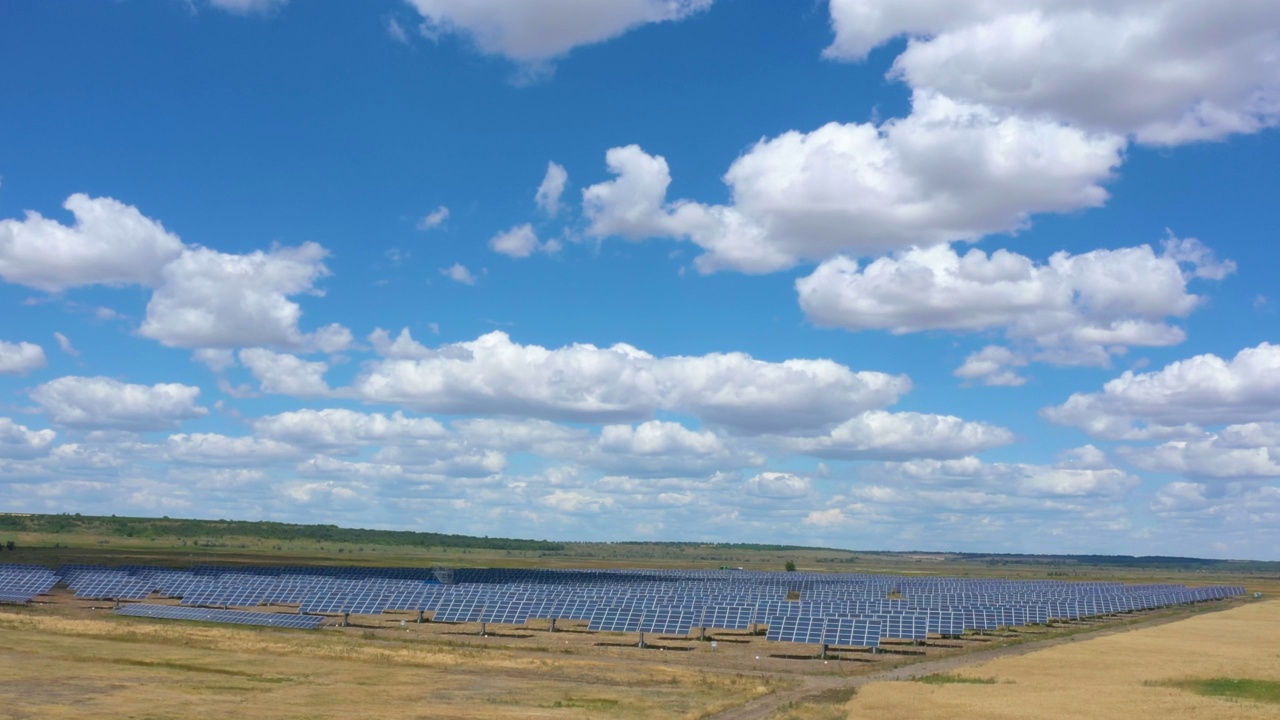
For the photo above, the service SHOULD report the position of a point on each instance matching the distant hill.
(137, 527)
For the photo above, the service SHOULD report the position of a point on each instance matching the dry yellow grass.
(93, 668)
(1104, 677)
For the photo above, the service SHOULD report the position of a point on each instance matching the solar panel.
(796, 629)
(607, 619)
(236, 617)
(853, 632)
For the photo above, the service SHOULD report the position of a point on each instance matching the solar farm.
(313, 640)
(828, 610)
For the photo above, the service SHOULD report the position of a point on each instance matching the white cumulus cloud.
(520, 241)
(949, 171)
(880, 435)
(1167, 71)
(993, 365)
(1074, 309)
(20, 358)
(538, 31)
(100, 403)
(777, 486)
(344, 430)
(110, 244)
(1202, 390)
(493, 375)
(210, 299)
(20, 442)
(1247, 450)
(215, 449)
(285, 374)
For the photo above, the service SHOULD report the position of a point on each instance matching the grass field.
(59, 667)
(1180, 670)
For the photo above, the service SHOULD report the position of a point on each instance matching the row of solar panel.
(844, 632)
(659, 578)
(238, 617)
(23, 583)
(381, 594)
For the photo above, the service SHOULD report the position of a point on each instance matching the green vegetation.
(131, 527)
(1267, 691)
(71, 538)
(826, 705)
(951, 679)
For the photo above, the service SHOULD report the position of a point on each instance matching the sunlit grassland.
(1266, 691)
(826, 705)
(58, 667)
(1131, 676)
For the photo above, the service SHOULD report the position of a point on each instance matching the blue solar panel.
(237, 617)
(669, 601)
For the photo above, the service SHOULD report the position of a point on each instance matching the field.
(69, 658)
(1156, 672)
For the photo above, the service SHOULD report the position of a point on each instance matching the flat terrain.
(59, 667)
(1122, 676)
(68, 658)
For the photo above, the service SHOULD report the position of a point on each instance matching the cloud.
(1074, 309)
(993, 365)
(346, 431)
(1210, 513)
(1167, 71)
(434, 219)
(949, 171)
(880, 435)
(532, 32)
(1248, 450)
(20, 358)
(64, 343)
(575, 502)
(830, 517)
(1202, 390)
(285, 374)
(209, 299)
(777, 486)
(493, 375)
(658, 447)
(216, 359)
(99, 403)
(1014, 479)
(396, 31)
(110, 244)
(539, 437)
(459, 273)
(404, 347)
(552, 187)
(520, 242)
(215, 449)
(248, 7)
(1085, 457)
(20, 442)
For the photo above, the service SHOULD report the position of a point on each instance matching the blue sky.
(859, 273)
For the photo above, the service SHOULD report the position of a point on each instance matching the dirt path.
(769, 705)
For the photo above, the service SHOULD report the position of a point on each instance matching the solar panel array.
(236, 617)
(23, 583)
(843, 606)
